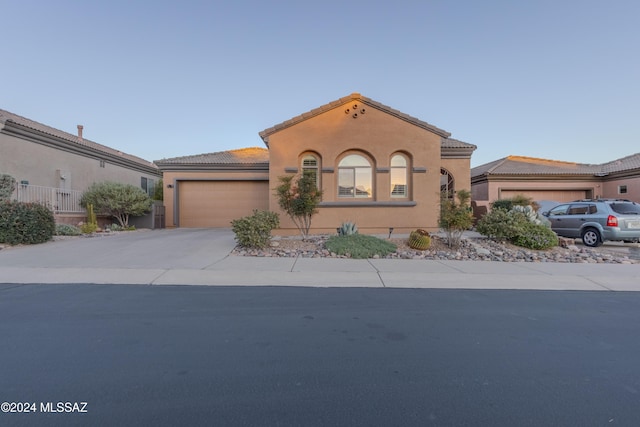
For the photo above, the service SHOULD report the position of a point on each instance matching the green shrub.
(535, 236)
(359, 246)
(505, 204)
(517, 200)
(255, 231)
(67, 230)
(516, 227)
(299, 199)
(118, 227)
(88, 227)
(117, 200)
(7, 185)
(501, 224)
(25, 223)
(455, 217)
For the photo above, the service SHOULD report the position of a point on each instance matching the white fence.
(57, 199)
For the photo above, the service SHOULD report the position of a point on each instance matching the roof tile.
(241, 156)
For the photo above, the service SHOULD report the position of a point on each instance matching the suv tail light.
(612, 221)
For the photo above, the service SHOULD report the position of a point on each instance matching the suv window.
(626, 208)
(559, 210)
(582, 209)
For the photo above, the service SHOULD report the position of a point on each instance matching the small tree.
(117, 200)
(7, 185)
(299, 200)
(455, 217)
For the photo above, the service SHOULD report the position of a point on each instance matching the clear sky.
(557, 79)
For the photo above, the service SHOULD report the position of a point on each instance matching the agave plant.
(528, 212)
(347, 229)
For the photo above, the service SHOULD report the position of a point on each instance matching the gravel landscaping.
(471, 249)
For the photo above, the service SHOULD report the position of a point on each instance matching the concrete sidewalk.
(201, 257)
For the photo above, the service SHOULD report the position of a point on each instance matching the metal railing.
(57, 199)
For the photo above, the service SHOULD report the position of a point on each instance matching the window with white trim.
(311, 165)
(398, 176)
(354, 177)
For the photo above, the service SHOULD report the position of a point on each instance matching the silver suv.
(595, 221)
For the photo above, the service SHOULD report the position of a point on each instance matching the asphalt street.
(269, 356)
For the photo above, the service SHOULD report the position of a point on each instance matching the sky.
(555, 79)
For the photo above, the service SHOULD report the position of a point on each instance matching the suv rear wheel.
(591, 237)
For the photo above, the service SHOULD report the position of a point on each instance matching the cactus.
(347, 229)
(92, 222)
(419, 239)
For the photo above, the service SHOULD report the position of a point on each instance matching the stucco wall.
(378, 136)
(633, 188)
(43, 165)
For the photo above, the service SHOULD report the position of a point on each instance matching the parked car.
(597, 220)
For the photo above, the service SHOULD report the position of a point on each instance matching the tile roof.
(454, 143)
(241, 156)
(337, 103)
(73, 140)
(623, 164)
(521, 165)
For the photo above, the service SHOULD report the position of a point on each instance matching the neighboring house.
(377, 166)
(55, 167)
(543, 179)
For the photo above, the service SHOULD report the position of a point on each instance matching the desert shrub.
(88, 227)
(517, 200)
(255, 231)
(455, 216)
(535, 236)
(504, 204)
(501, 224)
(299, 200)
(118, 227)
(117, 200)
(518, 228)
(67, 230)
(25, 223)
(7, 185)
(359, 246)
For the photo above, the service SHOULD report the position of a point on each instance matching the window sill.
(367, 204)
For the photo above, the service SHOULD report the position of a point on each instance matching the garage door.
(205, 204)
(555, 195)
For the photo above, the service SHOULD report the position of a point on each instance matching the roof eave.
(353, 97)
(213, 167)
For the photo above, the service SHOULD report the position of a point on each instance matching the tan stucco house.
(54, 167)
(377, 166)
(543, 179)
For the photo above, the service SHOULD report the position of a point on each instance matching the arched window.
(354, 177)
(447, 183)
(399, 181)
(311, 165)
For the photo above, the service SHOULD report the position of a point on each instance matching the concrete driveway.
(166, 249)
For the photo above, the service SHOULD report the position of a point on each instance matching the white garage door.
(206, 204)
(555, 195)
